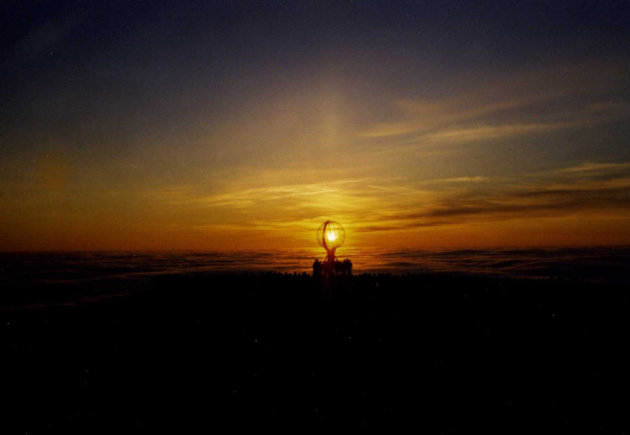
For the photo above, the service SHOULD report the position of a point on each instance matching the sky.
(229, 125)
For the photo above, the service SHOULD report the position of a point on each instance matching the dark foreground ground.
(443, 354)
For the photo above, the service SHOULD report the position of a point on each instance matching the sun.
(331, 236)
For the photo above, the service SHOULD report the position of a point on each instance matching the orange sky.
(578, 205)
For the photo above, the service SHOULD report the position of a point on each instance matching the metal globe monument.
(330, 236)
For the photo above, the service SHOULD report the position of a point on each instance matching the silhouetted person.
(317, 268)
(347, 267)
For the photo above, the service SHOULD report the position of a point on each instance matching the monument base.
(332, 268)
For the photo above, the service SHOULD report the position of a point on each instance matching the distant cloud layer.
(370, 205)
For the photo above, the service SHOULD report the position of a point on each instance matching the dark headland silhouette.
(205, 351)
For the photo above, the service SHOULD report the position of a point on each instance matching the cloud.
(596, 167)
(529, 103)
(375, 205)
(477, 179)
(525, 198)
(485, 132)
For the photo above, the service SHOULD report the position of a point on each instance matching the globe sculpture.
(330, 236)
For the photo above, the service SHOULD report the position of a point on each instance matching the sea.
(606, 264)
